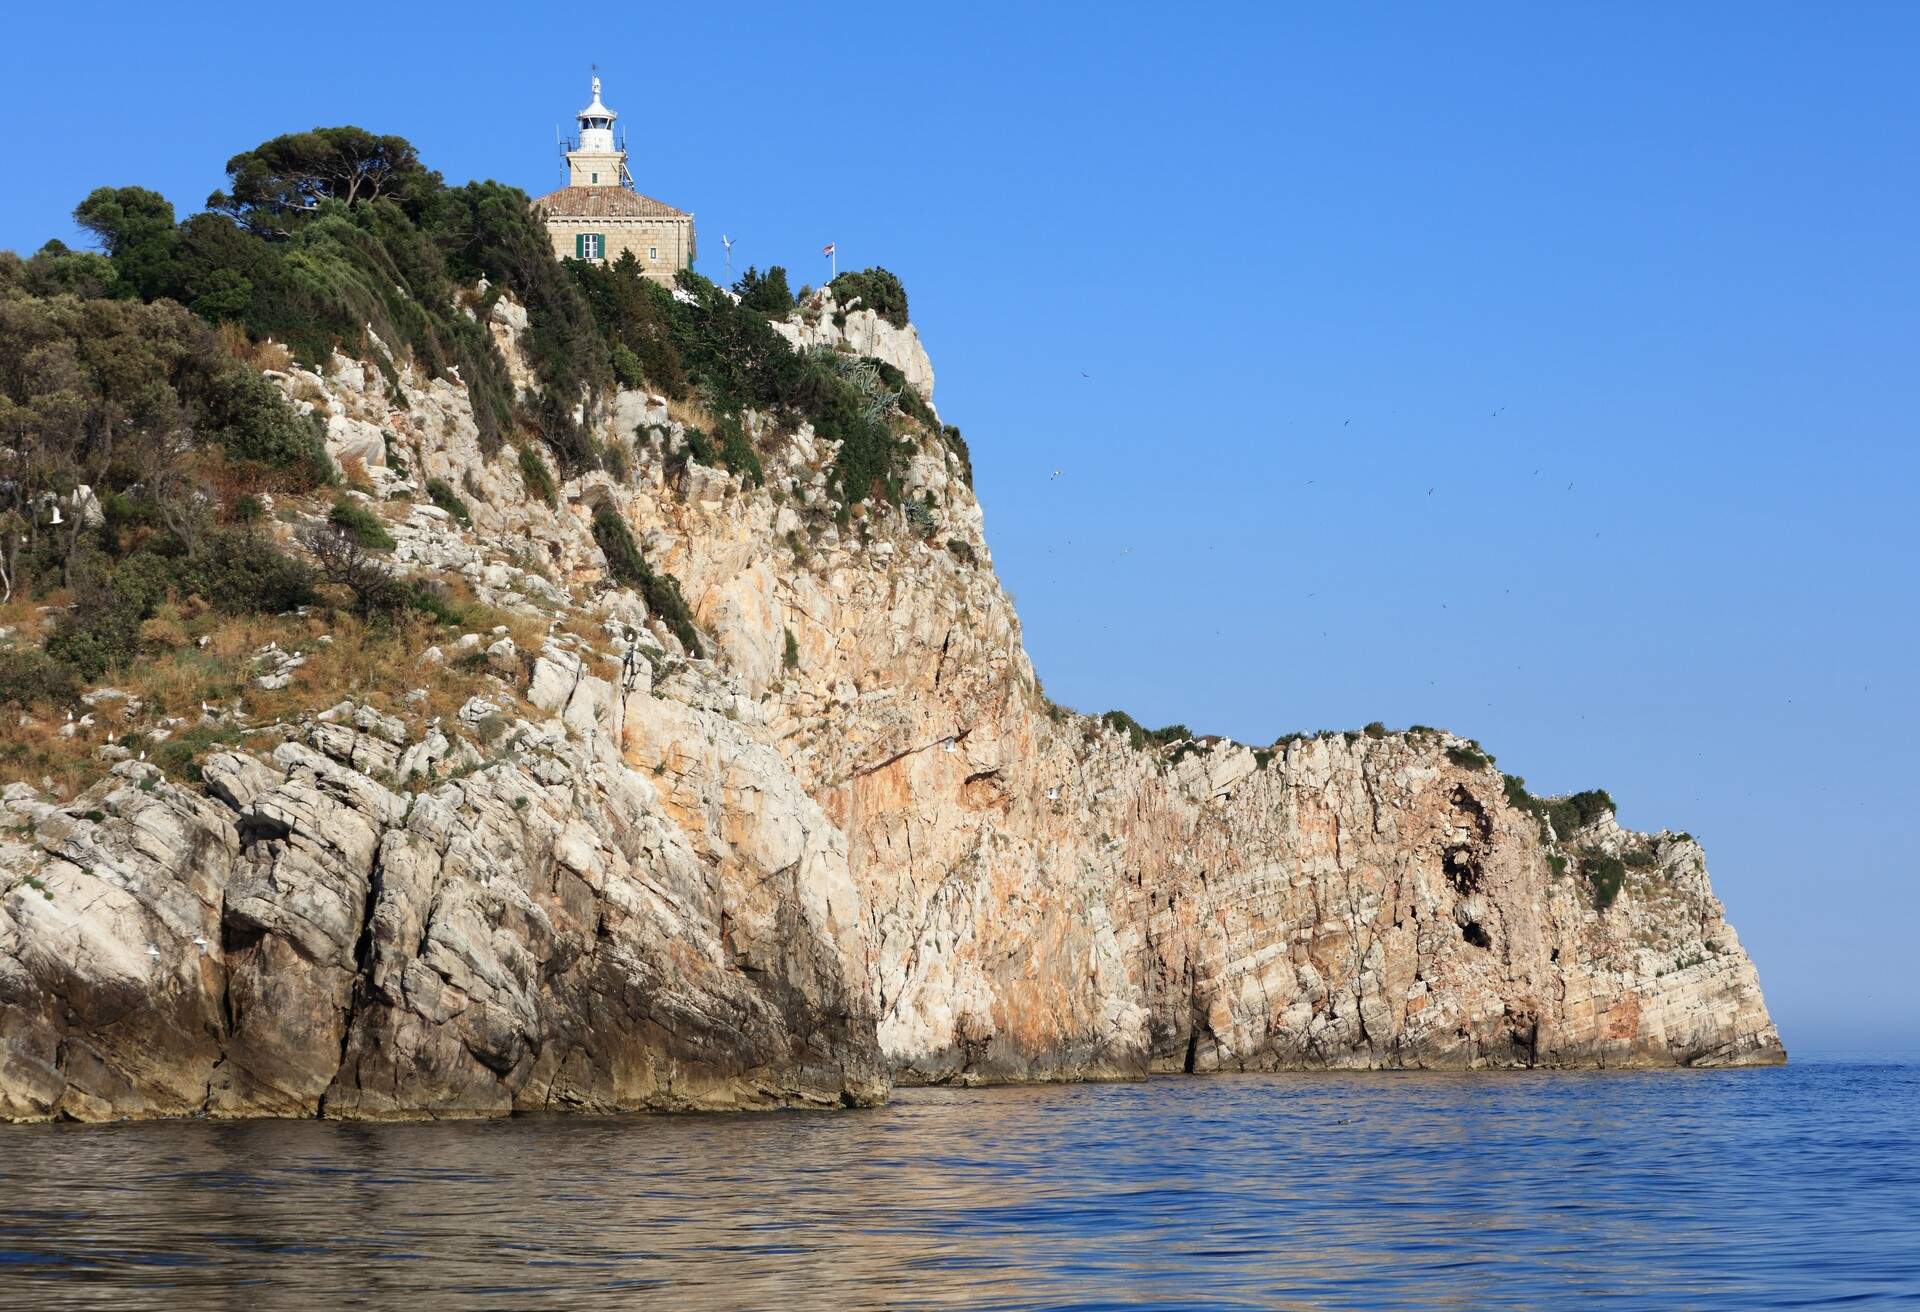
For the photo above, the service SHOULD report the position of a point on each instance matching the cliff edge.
(820, 833)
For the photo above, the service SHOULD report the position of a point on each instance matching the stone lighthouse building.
(598, 214)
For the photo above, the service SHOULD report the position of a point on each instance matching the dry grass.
(261, 355)
(195, 658)
(29, 617)
(692, 414)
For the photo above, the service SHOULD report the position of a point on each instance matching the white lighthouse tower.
(599, 217)
(597, 160)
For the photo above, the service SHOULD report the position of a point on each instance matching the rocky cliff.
(845, 842)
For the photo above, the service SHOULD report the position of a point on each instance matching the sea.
(1793, 1187)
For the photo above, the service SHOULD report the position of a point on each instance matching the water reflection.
(1742, 1189)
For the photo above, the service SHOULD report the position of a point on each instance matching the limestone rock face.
(823, 322)
(851, 845)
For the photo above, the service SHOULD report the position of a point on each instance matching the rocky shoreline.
(849, 844)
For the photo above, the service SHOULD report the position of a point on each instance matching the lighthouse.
(598, 216)
(596, 161)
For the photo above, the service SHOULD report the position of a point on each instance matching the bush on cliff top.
(1566, 814)
(1605, 875)
(877, 290)
(332, 238)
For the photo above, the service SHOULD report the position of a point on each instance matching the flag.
(827, 249)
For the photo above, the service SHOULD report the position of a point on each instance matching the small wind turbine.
(728, 243)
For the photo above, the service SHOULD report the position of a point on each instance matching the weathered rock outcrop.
(856, 845)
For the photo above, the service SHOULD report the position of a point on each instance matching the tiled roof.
(605, 203)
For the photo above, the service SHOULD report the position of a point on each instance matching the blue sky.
(1549, 376)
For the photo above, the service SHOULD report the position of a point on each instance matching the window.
(590, 246)
(653, 252)
(596, 177)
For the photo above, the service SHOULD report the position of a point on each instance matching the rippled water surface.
(1795, 1187)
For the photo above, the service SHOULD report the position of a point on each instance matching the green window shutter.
(600, 244)
(579, 245)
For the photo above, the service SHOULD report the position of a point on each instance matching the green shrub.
(1566, 814)
(435, 601)
(1578, 810)
(1121, 722)
(615, 460)
(765, 293)
(950, 434)
(697, 447)
(624, 561)
(791, 657)
(734, 356)
(877, 290)
(626, 367)
(1605, 874)
(28, 675)
(737, 453)
(249, 418)
(1375, 730)
(539, 482)
(302, 252)
(243, 572)
(962, 550)
(361, 524)
(180, 755)
(660, 590)
(441, 493)
(102, 630)
(1468, 758)
(636, 316)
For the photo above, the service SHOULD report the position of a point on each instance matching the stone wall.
(663, 245)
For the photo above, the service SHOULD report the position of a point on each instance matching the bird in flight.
(1056, 474)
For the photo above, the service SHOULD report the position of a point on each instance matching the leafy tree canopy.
(296, 173)
(766, 293)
